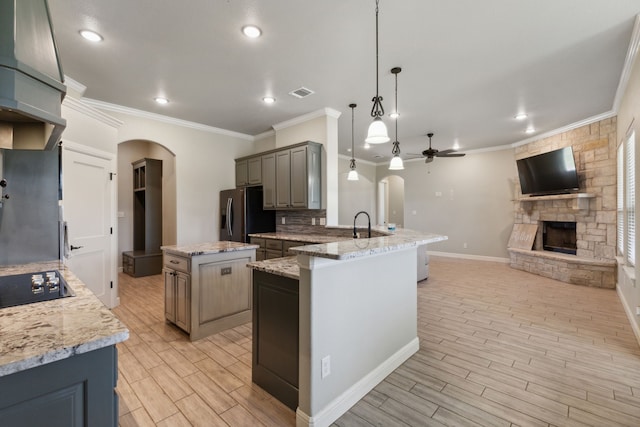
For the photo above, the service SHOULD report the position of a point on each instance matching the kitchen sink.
(28, 288)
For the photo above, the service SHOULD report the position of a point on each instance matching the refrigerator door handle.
(229, 217)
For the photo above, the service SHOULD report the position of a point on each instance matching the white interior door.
(88, 200)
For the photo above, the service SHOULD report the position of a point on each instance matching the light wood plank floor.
(498, 347)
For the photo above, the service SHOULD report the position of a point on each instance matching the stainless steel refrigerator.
(241, 214)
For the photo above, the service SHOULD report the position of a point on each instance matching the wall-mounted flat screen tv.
(548, 173)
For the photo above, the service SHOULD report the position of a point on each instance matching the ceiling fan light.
(377, 133)
(396, 164)
(353, 175)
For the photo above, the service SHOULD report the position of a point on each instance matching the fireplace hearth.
(559, 236)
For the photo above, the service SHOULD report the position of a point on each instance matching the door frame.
(114, 297)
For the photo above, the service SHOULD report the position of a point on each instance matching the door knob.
(76, 247)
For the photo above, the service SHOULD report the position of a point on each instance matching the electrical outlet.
(464, 245)
(283, 221)
(323, 221)
(326, 366)
(313, 221)
(414, 212)
(638, 311)
(438, 193)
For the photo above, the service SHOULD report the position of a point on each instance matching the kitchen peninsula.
(207, 287)
(48, 357)
(357, 317)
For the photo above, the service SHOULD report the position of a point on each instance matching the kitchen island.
(48, 357)
(357, 317)
(207, 287)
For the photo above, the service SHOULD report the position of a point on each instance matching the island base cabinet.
(275, 336)
(78, 391)
(177, 298)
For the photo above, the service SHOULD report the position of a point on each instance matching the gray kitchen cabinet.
(177, 291)
(287, 245)
(283, 179)
(249, 171)
(76, 391)
(261, 252)
(269, 181)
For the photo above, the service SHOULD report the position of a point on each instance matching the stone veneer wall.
(594, 148)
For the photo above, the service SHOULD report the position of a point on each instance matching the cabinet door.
(269, 181)
(169, 295)
(254, 171)
(299, 177)
(183, 301)
(283, 179)
(242, 173)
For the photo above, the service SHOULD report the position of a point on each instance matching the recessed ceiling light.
(251, 31)
(520, 116)
(161, 100)
(394, 115)
(530, 130)
(268, 100)
(92, 36)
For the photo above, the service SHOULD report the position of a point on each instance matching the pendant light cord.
(352, 164)
(396, 145)
(377, 110)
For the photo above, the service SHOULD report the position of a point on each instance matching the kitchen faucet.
(355, 234)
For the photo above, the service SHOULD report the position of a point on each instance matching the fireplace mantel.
(580, 200)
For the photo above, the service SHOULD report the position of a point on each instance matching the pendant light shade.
(353, 173)
(396, 162)
(377, 133)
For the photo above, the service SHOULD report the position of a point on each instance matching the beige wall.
(355, 196)
(629, 118)
(204, 165)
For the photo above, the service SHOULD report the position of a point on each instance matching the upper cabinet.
(249, 171)
(290, 177)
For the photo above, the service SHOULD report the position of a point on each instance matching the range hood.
(31, 88)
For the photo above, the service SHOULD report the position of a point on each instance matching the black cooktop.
(19, 289)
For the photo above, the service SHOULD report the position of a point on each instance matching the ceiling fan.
(431, 153)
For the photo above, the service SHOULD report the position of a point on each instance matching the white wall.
(356, 196)
(395, 207)
(476, 204)
(204, 165)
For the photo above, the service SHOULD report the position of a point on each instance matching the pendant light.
(353, 173)
(396, 161)
(377, 133)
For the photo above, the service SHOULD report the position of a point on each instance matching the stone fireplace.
(576, 236)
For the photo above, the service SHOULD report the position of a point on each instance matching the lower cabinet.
(275, 336)
(78, 391)
(206, 294)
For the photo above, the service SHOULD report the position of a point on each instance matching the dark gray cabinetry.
(275, 336)
(177, 291)
(146, 257)
(269, 181)
(283, 179)
(261, 252)
(249, 171)
(78, 391)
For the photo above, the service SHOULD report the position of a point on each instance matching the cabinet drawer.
(259, 241)
(177, 263)
(274, 244)
(287, 245)
(271, 254)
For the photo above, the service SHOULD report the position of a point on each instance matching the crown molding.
(328, 112)
(84, 108)
(632, 53)
(264, 135)
(165, 119)
(74, 85)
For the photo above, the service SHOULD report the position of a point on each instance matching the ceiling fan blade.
(443, 152)
(428, 160)
(452, 155)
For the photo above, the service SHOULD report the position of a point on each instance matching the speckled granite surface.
(35, 334)
(286, 267)
(347, 248)
(207, 248)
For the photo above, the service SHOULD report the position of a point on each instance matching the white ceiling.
(468, 66)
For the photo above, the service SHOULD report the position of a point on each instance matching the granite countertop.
(207, 248)
(286, 267)
(304, 238)
(35, 334)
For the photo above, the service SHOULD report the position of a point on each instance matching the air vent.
(302, 92)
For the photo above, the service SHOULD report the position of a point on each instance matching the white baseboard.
(630, 314)
(467, 256)
(341, 404)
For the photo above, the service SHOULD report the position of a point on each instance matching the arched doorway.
(391, 200)
(129, 152)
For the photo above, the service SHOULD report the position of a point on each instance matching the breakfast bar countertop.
(285, 267)
(36, 334)
(207, 248)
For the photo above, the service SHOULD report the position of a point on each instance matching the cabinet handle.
(173, 261)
